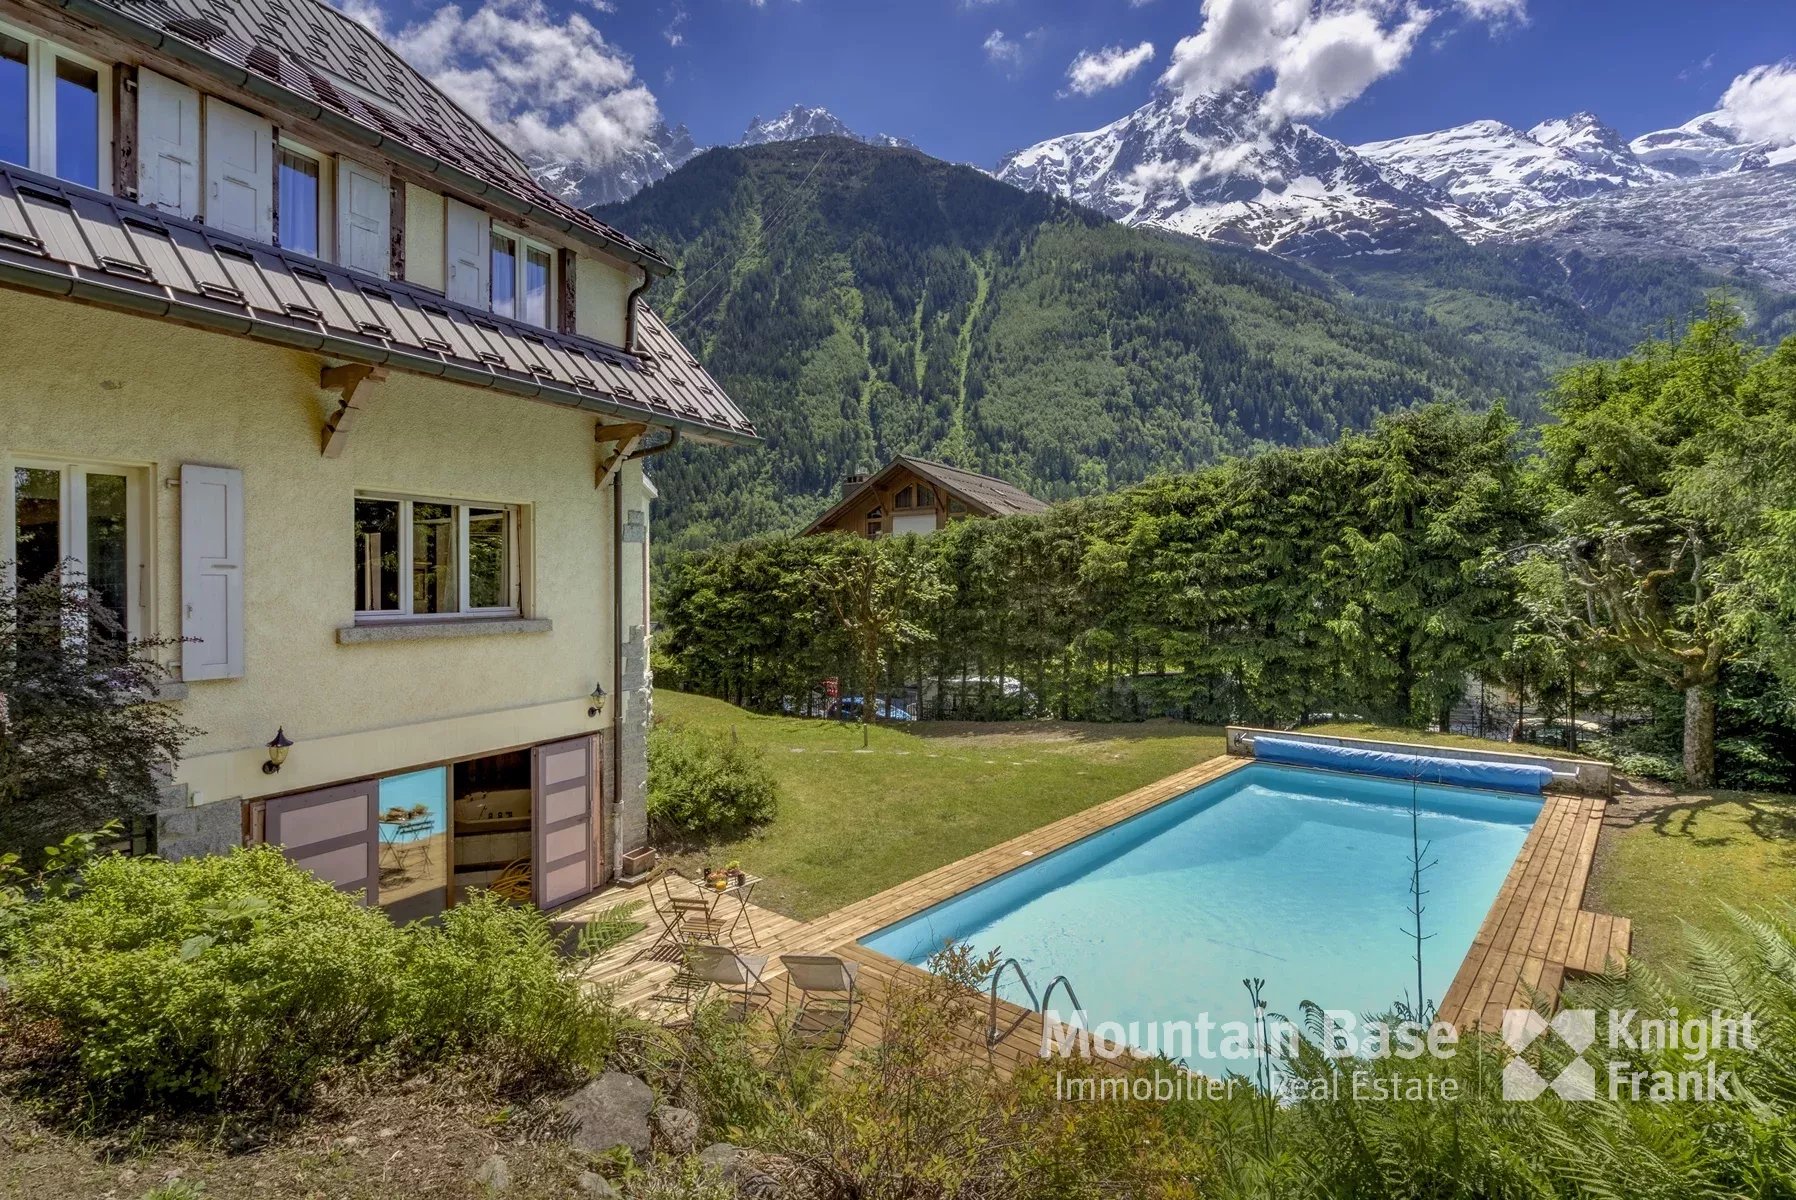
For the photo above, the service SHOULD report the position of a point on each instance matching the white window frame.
(327, 194)
(524, 243)
(42, 53)
(513, 531)
(139, 573)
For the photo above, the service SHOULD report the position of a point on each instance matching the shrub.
(488, 980)
(703, 785)
(232, 980)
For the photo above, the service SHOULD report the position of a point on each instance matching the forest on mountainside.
(860, 302)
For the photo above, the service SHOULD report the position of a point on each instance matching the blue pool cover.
(1423, 768)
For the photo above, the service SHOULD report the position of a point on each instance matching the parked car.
(848, 708)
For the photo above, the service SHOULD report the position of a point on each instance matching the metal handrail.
(992, 1036)
(1060, 981)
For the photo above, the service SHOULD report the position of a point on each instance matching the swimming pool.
(1297, 876)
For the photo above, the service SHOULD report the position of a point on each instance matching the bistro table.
(740, 889)
(402, 835)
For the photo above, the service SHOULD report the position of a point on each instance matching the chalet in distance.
(299, 364)
(916, 495)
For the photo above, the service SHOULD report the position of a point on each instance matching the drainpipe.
(636, 294)
(617, 673)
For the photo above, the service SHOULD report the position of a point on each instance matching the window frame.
(40, 97)
(72, 475)
(327, 196)
(514, 520)
(524, 244)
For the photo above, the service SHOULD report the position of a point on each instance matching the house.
(300, 365)
(916, 495)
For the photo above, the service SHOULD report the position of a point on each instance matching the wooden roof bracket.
(622, 439)
(345, 380)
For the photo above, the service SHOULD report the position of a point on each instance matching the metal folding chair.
(738, 975)
(827, 1002)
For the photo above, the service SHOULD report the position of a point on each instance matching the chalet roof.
(983, 494)
(298, 54)
(70, 241)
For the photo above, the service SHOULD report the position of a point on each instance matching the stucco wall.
(423, 237)
(88, 384)
(601, 290)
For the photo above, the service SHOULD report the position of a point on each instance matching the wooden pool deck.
(1536, 934)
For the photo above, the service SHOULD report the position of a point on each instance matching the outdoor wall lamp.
(598, 700)
(277, 751)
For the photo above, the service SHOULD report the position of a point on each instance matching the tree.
(877, 589)
(1640, 468)
(83, 738)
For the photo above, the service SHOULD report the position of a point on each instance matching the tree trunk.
(1699, 736)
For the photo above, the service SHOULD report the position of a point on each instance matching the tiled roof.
(995, 497)
(72, 241)
(300, 45)
(984, 495)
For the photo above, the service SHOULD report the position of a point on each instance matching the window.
(299, 203)
(87, 516)
(434, 558)
(55, 110)
(523, 277)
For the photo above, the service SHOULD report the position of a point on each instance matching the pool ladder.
(994, 1035)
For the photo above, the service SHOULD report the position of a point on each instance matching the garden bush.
(488, 980)
(704, 785)
(232, 980)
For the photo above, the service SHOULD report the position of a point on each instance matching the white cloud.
(1762, 103)
(1319, 56)
(1008, 52)
(1095, 70)
(546, 82)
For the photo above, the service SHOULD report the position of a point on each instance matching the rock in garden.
(676, 1128)
(611, 1111)
(754, 1176)
(597, 1186)
(494, 1174)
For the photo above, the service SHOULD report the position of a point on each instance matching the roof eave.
(296, 336)
(125, 26)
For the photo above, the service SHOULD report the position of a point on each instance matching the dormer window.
(302, 202)
(55, 114)
(523, 275)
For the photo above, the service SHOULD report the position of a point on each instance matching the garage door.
(333, 833)
(564, 778)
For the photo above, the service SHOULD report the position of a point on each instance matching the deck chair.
(737, 975)
(827, 1002)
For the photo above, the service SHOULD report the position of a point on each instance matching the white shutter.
(364, 213)
(239, 171)
(211, 572)
(465, 243)
(168, 123)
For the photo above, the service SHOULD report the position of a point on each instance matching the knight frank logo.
(1575, 1027)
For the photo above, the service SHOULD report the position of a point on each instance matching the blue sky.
(972, 79)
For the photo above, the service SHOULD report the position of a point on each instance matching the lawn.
(1673, 862)
(854, 822)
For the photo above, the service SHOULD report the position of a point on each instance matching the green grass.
(1674, 862)
(853, 822)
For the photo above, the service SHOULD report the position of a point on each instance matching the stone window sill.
(426, 631)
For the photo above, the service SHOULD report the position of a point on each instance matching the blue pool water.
(1297, 876)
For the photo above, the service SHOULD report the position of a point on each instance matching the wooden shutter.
(168, 144)
(465, 233)
(239, 171)
(364, 211)
(333, 833)
(211, 572)
(564, 784)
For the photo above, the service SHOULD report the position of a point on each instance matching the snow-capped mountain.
(1493, 170)
(799, 122)
(1707, 145)
(667, 150)
(1741, 222)
(584, 186)
(1205, 165)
